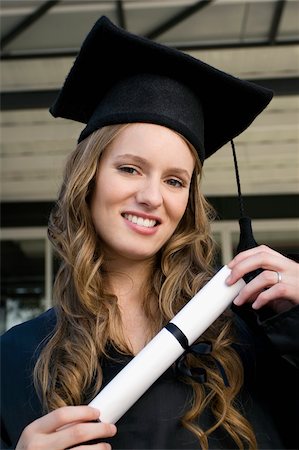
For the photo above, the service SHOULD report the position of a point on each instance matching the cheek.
(97, 203)
(178, 207)
(103, 192)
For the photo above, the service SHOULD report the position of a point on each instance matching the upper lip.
(143, 215)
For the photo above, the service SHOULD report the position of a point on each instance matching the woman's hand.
(64, 428)
(277, 286)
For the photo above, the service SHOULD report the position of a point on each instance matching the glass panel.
(217, 23)
(288, 28)
(258, 19)
(22, 281)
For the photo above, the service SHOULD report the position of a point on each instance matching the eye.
(128, 169)
(175, 183)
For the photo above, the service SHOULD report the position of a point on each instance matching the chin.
(139, 255)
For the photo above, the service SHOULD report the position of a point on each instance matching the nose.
(149, 193)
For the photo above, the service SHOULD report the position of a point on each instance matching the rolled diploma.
(164, 349)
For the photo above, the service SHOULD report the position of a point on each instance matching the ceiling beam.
(221, 45)
(276, 19)
(120, 12)
(27, 22)
(184, 46)
(43, 99)
(177, 18)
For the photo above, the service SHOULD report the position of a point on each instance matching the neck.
(127, 281)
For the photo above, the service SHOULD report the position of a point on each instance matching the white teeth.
(140, 221)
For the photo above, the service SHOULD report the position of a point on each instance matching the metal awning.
(257, 40)
(57, 27)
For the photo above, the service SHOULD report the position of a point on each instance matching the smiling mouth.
(148, 223)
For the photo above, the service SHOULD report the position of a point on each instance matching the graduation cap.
(119, 77)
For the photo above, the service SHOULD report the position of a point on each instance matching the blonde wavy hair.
(68, 371)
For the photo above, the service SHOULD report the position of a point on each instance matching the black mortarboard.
(119, 77)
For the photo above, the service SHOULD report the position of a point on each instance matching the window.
(28, 265)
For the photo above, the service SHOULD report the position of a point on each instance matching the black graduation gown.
(268, 397)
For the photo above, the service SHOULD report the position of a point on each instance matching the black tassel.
(247, 240)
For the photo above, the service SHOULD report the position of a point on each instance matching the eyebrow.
(138, 159)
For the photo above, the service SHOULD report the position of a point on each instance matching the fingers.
(260, 290)
(252, 251)
(279, 280)
(80, 433)
(64, 416)
(66, 427)
(260, 257)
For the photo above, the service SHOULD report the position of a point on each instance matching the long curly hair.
(68, 370)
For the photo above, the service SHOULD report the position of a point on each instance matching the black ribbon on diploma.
(203, 348)
(199, 374)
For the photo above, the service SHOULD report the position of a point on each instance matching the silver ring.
(279, 277)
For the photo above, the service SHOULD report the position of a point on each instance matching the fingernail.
(228, 279)
(237, 301)
(113, 428)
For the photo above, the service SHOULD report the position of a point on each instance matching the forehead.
(153, 142)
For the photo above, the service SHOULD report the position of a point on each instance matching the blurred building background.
(256, 40)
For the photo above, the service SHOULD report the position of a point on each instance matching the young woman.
(132, 230)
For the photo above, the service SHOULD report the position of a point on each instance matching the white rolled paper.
(164, 349)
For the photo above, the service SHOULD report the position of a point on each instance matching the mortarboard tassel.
(246, 240)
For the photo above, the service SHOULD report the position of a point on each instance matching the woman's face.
(141, 190)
